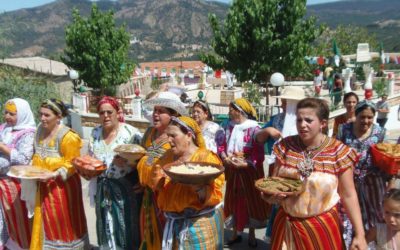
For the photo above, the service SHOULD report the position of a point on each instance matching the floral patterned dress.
(370, 181)
(117, 206)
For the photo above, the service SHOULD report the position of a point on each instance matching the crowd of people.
(345, 203)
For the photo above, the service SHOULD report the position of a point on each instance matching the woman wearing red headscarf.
(113, 192)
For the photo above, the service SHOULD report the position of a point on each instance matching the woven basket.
(193, 179)
(133, 155)
(386, 162)
(269, 191)
(88, 167)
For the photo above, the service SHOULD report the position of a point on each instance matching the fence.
(264, 112)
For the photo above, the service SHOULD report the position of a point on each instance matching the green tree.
(260, 37)
(13, 84)
(347, 38)
(98, 50)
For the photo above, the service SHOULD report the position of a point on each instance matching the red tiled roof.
(196, 66)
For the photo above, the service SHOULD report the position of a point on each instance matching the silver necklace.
(306, 167)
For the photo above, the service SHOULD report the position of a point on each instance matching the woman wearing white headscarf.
(16, 148)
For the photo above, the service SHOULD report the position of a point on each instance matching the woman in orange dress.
(194, 212)
(155, 140)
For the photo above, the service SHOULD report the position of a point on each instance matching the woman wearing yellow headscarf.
(243, 160)
(193, 212)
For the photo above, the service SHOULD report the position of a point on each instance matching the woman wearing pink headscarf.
(116, 192)
(16, 148)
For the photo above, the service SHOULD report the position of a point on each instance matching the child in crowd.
(387, 236)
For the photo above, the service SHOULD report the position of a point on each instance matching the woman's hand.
(50, 176)
(4, 149)
(239, 163)
(273, 199)
(359, 243)
(157, 177)
(201, 191)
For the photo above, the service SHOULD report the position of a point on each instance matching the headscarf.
(56, 106)
(364, 104)
(191, 125)
(245, 106)
(114, 103)
(25, 119)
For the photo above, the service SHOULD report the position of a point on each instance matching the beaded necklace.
(306, 167)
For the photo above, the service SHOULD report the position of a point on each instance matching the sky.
(9, 5)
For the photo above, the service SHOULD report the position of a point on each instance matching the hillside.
(172, 29)
(159, 29)
(381, 17)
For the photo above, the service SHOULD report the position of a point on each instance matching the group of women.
(139, 207)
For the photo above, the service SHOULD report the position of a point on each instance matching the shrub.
(32, 89)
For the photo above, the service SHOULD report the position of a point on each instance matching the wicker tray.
(28, 172)
(273, 191)
(88, 167)
(131, 152)
(193, 179)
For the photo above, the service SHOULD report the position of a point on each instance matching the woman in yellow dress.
(59, 216)
(194, 212)
(165, 106)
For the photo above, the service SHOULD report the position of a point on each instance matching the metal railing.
(264, 112)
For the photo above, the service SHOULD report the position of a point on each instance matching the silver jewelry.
(306, 167)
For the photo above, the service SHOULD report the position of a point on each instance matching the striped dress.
(243, 206)
(16, 224)
(59, 220)
(311, 219)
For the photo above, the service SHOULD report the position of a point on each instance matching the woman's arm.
(264, 134)
(349, 199)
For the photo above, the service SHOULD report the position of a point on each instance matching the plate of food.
(88, 166)
(28, 172)
(131, 152)
(195, 173)
(279, 185)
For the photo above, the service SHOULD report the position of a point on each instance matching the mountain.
(159, 29)
(381, 17)
(172, 29)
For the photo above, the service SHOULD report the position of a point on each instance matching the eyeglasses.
(108, 112)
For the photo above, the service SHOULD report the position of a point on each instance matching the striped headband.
(239, 108)
(364, 103)
(181, 123)
(53, 106)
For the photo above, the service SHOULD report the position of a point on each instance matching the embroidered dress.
(15, 225)
(59, 219)
(243, 205)
(213, 135)
(370, 181)
(311, 217)
(117, 205)
(192, 224)
(151, 217)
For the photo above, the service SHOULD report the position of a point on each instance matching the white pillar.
(347, 73)
(136, 108)
(390, 89)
